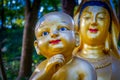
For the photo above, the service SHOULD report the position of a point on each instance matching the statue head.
(55, 35)
(97, 24)
(94, 22)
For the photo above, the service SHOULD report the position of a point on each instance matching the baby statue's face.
(94, 24)
(55, 36)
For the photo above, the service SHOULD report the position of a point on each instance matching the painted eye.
(87, 18)
(63, 29)
(100, 18)
(45, 33)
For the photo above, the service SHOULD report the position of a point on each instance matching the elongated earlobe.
(36, 47)
(81, 42)
(107, 43)
(78, 44)
(77, 39)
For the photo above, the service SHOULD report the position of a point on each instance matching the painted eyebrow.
(64, 22)
(42, 24)
(87, 12)
(103, 12)
(39, 26)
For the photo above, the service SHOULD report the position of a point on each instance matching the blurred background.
(18, 57)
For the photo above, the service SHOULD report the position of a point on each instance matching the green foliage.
(13, 11)
(116, 3)
(50, 5)
(12, 68)
(11, 51)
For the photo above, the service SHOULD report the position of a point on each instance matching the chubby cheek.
(43, 47)
(68, 37)
(84, 26)
(104, 28)
(83, 31)
(84, 22)
(43, 43)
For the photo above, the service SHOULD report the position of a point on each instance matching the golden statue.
(55, 40)
(99, 30)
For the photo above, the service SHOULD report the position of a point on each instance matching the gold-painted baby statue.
(56, 40)
(99, 30)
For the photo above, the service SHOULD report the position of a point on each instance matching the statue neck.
(89, 51)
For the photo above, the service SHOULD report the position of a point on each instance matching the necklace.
(98, 62)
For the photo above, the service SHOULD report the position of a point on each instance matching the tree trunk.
(68, 6)
(28, 39)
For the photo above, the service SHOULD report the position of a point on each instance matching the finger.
(59, 57)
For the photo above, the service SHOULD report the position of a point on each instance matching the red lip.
(55, 41)
(93, 30)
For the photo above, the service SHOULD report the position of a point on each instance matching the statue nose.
(94, 22)
(54, 34)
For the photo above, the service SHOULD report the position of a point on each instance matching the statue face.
(94, 24)
(55, 36)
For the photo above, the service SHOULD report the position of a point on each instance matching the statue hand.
(54, 63)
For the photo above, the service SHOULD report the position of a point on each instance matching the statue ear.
(77, 43)
(108, 43)
(77, 39)
(36, 47)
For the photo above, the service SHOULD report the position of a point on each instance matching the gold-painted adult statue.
(56, 40)
(99, 30)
